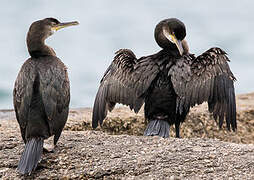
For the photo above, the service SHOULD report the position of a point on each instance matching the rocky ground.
(119, 151)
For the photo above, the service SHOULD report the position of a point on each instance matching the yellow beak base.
(63, 25)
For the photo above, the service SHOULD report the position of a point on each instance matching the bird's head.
(170, 34)
(39, 31)
(46, 27)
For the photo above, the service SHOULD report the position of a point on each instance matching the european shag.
(41, 93)
(169, 82)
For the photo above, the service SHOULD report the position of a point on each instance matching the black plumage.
(168, 82)
(41, 93)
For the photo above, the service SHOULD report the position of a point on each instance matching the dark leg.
(56, 137)
(23, 135)
(177, 126)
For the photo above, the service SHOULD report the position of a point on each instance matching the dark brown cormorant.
(169, 82)
(41, 93)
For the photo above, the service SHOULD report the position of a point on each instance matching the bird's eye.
(53, 23)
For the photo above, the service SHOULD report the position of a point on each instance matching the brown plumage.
(41, 93)
(169, 82)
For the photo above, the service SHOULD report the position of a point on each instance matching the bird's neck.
(37, 47)
(171, 51)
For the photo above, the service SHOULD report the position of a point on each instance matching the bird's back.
(37, 97)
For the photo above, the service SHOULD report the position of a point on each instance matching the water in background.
(106, 26)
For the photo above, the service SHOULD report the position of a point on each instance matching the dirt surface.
(119, 151)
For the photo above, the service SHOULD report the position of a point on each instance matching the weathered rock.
(83, 153)
(199, 122)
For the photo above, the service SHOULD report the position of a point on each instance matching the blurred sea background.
(106, 26)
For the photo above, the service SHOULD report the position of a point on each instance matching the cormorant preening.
(41, 93)
(168, 82)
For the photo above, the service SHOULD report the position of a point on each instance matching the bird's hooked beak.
(172, 38)
(63, 25)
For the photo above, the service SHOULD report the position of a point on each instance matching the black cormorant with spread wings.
(41, 93)
(169, 82)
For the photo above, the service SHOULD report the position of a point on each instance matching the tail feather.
(31, 156)
(157, 128)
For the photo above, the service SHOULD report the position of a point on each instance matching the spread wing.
(55, 92)
(206, 78)
(125, 81)
(22, 92)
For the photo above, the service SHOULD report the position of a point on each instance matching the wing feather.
(22, 93)
(126, 81)
(206, 78)
(55, 92)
